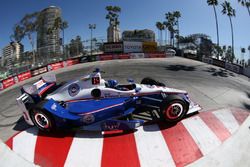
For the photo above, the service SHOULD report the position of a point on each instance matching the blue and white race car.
(91, 103)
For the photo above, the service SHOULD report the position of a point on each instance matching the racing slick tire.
(42, 119)
(151, 81)
(174, 110)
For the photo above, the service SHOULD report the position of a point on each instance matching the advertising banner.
(55, 66)
(136, 55)
(71, 62)
(124, 56)
(155, 55)
(149, 47)
(39, 71)
(130, 47)
(24, 76)
(8, 82)
(113, 47)
(106, 57)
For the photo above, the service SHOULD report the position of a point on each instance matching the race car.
(92, 103)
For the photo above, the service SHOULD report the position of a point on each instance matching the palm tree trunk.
(247, 8)
(178, 28)
(63, 44)
(166, 36)
(232, 35)
(217, 28)
(161, 37)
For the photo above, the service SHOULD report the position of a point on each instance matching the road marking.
(52, 149)
(152, 148)
(24, 144)
(202, 134)
(240, 116)
(119, 149)
(85, 150)
(215, 125)
(228, 120)
(181, 145)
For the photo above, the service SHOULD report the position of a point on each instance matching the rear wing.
(41, 86)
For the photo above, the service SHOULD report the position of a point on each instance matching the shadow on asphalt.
(219, 72)
(180, 67)
(247, 105)
(21, 125)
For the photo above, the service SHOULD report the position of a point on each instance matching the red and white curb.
(151, 145)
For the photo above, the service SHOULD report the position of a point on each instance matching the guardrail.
(12, 80)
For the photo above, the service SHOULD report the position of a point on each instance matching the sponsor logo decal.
(111, 125)
(89, 118)
(54, 107)
(74, 89)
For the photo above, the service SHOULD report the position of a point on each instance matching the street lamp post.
(91, 27)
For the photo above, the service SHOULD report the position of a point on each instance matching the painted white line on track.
(202, 134)
(228, 120)
(152, 148)
(85, 150)
(24, 144)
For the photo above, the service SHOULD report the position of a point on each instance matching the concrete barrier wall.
(4, 84)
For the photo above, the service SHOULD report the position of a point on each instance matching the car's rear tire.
(174, 110)
(151, 81)
(43, 120)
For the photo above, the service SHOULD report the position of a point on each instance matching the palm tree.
(113, 15)
(177, 15)
(230, 12)
(249, 54)
(166, 31)
(27, 27)
(243, 51)
(160, 26)
(246, 4)
(170, 23)
(214, 3)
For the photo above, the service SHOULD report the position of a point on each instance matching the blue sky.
(197, 17)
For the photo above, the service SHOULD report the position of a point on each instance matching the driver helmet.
(112, 83)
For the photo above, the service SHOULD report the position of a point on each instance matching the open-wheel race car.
(91, 103)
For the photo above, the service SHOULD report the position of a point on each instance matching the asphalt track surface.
(210, 86)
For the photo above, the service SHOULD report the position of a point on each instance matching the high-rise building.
(48, 43)
(113, 33)
(11, 53)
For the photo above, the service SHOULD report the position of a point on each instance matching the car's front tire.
(174, 110)
(42, 119)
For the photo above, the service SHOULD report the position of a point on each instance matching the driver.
(112, 83)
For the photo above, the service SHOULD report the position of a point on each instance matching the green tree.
(214, 3)
(160, 27)
(243, 51)
(248, 48)
(27, 27)
(113, 15)
(230, 12)
(177, 15)
(246, 4)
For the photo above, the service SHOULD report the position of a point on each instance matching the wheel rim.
(174, 111)
(42, 120)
